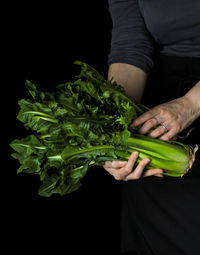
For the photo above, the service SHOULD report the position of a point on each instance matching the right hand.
(123, 170)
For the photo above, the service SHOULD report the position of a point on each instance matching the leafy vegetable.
(83, 124)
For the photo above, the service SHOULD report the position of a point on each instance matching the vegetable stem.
(67, 153)
(39, 113)
(47, 119)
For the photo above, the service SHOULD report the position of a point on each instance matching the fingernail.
(135, 153)
(147, 160)
(121, 162)
(151, 135)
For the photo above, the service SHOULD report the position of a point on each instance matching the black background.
(41, 44)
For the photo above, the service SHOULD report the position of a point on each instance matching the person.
(155, 56)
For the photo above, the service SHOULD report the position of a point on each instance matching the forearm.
(132, 78)
(193, 95)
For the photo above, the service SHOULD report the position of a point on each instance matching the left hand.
(173, 117)
(126, 170)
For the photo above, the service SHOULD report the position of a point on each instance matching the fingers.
(123, 170)
(147, 126)
(163, 115)
(120, 172)
(127, 169)
(112, 167)
(115, 164)
(158, 131)
(156, 172)
(168, 135)
(153, 122)
(159, 175)
(137, 173)
(144, 117)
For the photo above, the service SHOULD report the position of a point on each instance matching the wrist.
(193, 99)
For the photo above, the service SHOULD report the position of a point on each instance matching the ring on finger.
(164, 127)
(157, 122)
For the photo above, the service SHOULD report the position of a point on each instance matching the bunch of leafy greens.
(82, 124)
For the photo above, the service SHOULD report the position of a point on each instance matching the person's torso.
(174, 24)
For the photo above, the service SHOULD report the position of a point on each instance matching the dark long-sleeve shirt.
(140, 26)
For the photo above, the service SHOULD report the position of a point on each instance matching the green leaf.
(30, 165)
(48, 185)
(35, 116)
(37, 95)
(30, 152)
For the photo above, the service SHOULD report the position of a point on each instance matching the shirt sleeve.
(131, 42)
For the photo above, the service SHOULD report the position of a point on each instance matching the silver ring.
(157, 122)
(164, 127)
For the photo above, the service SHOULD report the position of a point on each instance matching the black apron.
(161, 216)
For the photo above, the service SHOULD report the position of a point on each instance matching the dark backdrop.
(41, 44)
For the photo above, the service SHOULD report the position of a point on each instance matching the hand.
(123, 170)
(173, 117)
